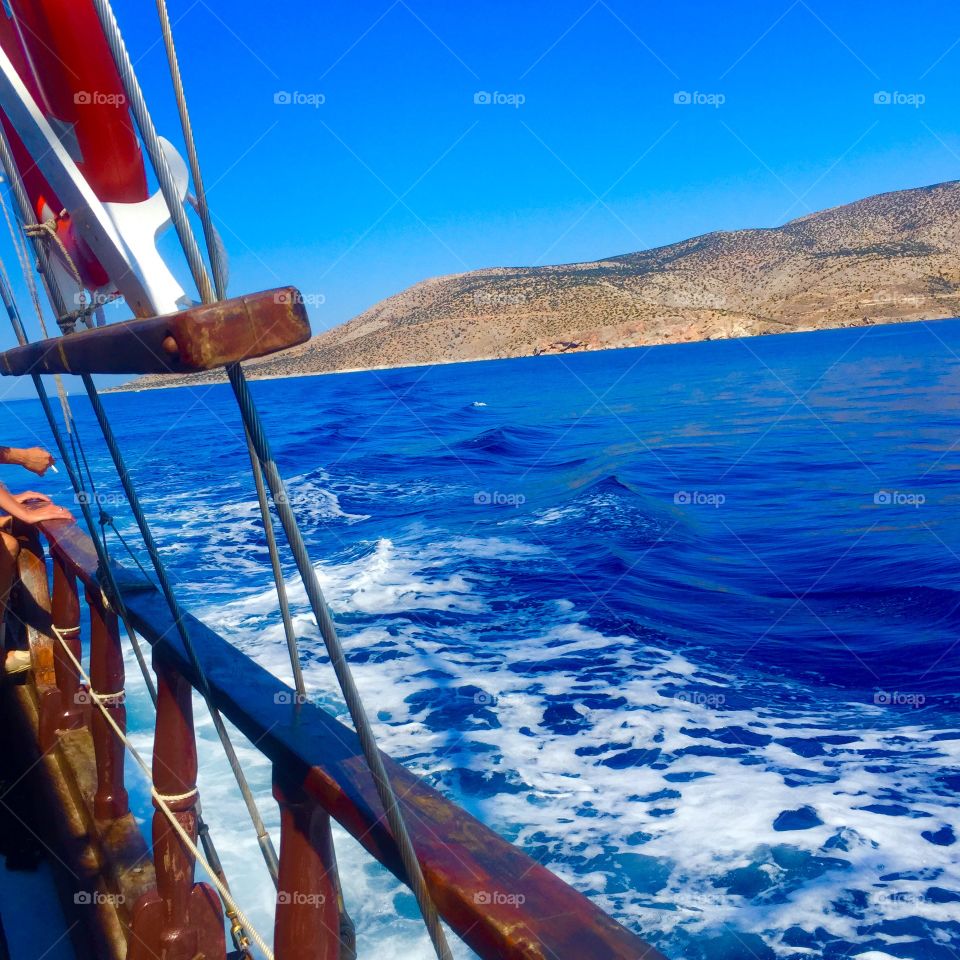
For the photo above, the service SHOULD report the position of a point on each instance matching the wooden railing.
(499, 900)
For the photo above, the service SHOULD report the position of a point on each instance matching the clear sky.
(381, 168)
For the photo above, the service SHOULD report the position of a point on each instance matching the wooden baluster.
(31, 609)
(307, 925)
(66, 618)
(106, 681)
(175, 775)
(181, 920)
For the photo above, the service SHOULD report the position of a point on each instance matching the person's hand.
(48, 511)
(36, 460)
(31, 495)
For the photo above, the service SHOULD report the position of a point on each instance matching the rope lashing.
(162, 804)
(179, 797)
(19, 244)
(27, 217)
(47, 230)
(116, 699)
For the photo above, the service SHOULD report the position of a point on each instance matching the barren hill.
(889, 257)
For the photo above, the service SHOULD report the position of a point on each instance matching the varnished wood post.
(29, 607)
(175, 777)
(307, 925)
(181, 920)
(106, 680)
(66, 618)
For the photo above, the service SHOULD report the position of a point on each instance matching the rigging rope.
(13, 179)
(340, 665)
(72, 467)
(255, 433)
(215, 256)
(254, 428)
(19, 244)
(178, 215)
(220, 285)
(151, 141)
(263, 837)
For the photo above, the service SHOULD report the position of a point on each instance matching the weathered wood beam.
(201, 338)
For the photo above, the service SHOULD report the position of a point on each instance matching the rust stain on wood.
(203, 337)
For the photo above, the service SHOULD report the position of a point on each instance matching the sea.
(682, 622)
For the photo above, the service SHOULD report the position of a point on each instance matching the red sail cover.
(60, 53)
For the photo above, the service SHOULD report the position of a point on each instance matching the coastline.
(251, 371)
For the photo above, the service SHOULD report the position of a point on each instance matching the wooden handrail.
(501, 902)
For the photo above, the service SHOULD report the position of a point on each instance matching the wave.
(729, 722)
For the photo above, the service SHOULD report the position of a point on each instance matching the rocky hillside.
(889, 257)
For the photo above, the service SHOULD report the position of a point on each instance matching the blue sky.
(398, 174)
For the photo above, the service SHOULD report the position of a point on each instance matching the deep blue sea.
(682, 622)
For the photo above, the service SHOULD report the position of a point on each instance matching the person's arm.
(35, 459)
(46, 511)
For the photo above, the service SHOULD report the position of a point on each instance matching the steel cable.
(255, 431)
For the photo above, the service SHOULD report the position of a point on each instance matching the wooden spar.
(201, 338)
(503, 903)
